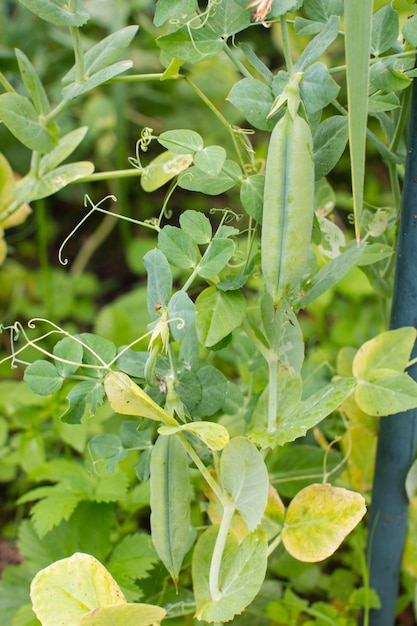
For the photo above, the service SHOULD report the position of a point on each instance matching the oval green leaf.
(218, 314)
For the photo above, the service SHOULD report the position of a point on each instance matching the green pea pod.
(288, 205)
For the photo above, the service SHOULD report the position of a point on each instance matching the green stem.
(237, 62)
(272, 392)
(93, 178)
(212, 483)
(79, 55)
(274, 544)
(216, 559)
(8, 87)
(286, 45)
(208, 102)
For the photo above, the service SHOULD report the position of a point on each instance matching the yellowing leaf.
(318, 519)
(65, 591)
(215, 436)
(125, 615)
(127, 398)
(7, 183)
(163, 168)
(388, 350)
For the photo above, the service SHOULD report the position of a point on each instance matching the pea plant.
(246, 453)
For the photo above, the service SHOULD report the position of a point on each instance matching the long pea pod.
(288, 205)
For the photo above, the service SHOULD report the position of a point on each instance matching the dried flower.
(262, 10)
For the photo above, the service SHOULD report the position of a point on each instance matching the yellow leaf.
(127, 398)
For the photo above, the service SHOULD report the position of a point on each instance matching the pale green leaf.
(33, 83)
(197, 226)
(195, 179)
(177, 246)
(68, 350)
(242, 573)
(317, 46)
(214, 436)
(163, 169)
(218, 254)
(390, 349)
(170, 503)
(181, 141)
(386, 392)
(57, 12)
(181, 310)
(229, 18)
(124, 615)
(317, 88)
(29, 189)
(330, 141)
(167, 9)
(73, 90)
(318, 520)
(244, 477)
(411, 481)
(159, 285)
(218, 314)
(66, 146)
(213, 391)
(43, 377)
(385, 26)
(210, 160)
(252, 196)
(191, 45)
(72, 587)
(254, 99)
(21, 118)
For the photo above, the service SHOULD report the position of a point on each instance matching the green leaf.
(74, 90)
(410, 30)
(229, 18)
(68, 350)
(254, 99)
(97, 350)
(213, 391)
(163, 169)
(195, 179)
(218, 314)
(321, 11)
(29, 189)
(21, 118)
(124, 615)
(177, 246)
(317, 88)
(86, 392)
(256, 62)
(181, 141)
(358, 20)
(330, 274)
(57, 13)
(317, 46)
(330, 141)
(191, 45)
(218, 254)
(284, 6)
(244, 478)
(391, 349)
(210, 160)
(72, 587)
(66, 146)
(386, 392)
(252, 196)
(384, 76)
(383, 102)
(242, 573)
(159, 284)
(57, 504)
(197, 226)
(167, 9)
(43, 377)
(170, 503)
(33, 83)
(132, 558)
(318, 519)
(385, 27)
(181, 310)
(283, 333)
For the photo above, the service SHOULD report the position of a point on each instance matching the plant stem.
(202, 468)
(216, 559)
(233, 57)
(272, 392)
(79, 55)
(286, 45)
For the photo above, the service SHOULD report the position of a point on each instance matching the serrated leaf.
(318, 520)
(242, 573)
(57, 506)
(21, 118)
(43, 377)
(170, 503)
(218, 314)
(72, 587)
(244, 478)
(177, 246)
(57, 13)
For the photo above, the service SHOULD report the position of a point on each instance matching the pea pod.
(288, 205)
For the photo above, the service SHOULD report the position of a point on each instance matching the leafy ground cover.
(199, 219)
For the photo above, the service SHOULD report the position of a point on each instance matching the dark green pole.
(397, 433)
